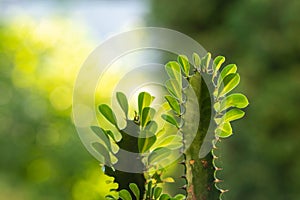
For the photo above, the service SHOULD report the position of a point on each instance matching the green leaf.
(125, 195)
(229, 69)
(151, 127)
(173, 104)
(135, 190)
(144, 100)
(217, 106)
(164, 197)
(232, 115)
(170, 119)
(122, 100)
(146, 142)
(168, 180)
(174, 88)
(102, 135)
(107, 112)
(110, 197)
(237, 100)
(102, 150)
(159, 154)
(171, 142)
(218, 61)
(224, 130)
(230, 82)
(157, 192)
(111, 134)
(184, 63)
(179, 197)
(173, 70)
(149, 188)
(197, 61)
(205, 63)
(147, 114)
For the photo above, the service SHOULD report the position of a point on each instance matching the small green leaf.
(144, 100)
(102, 135)
(164, 197)
(229, 69)
(173, 70)
(197, 61)
(102, 150)
(159, 154)
(179, 197)
(146, 142)
(232, 115)
(135, 190)
(218, 61)
(184, 63)
(170, 119)
(122, 100)
(110, 197)
(107, 112)
(157, 192)
(205, 63)
(237, 100)
(147, 114)
(230, 82)
(125, 195)
(171, 142)
(110, 133)
(224, 130)
(174, 88)
(173, 104)
(217, 106)
(151, 127)
(168, 180)
(149, 190)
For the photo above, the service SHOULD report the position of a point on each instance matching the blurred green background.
(44, 43)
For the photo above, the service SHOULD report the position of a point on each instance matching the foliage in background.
(41, 154)
(263, 37)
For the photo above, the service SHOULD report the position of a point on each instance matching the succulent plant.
(201, 88)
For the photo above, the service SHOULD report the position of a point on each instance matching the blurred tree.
(41, 154)
(263, 38)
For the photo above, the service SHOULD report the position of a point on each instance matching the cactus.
(157, 144)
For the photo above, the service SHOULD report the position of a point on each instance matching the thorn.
(192, 162)
(208, 188)
(204, 163)
(183, 176)
(182, 162)
(183, 187)
(218, 181)
(218, 168)
(223, 191)
(215, 157)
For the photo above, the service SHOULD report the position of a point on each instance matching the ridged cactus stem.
(199, 172)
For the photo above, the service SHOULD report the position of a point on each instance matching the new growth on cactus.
(161, 136)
